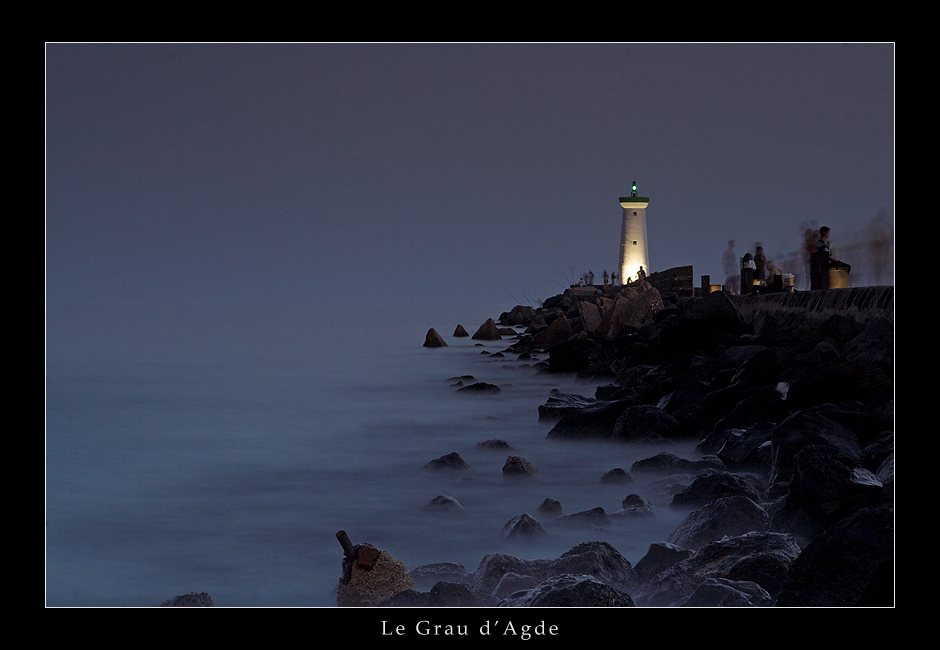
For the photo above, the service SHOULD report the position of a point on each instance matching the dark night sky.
(443, 174)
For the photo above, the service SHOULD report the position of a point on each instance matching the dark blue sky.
(443, 174)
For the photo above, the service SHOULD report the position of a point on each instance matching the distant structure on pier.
(633, 249)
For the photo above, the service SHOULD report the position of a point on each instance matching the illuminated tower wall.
(633, 249)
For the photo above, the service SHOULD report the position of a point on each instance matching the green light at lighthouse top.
(633, 196)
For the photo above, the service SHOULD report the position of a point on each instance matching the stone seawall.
(864, 304)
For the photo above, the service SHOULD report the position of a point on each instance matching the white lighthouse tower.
(633, 250)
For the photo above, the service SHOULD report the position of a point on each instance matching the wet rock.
(665, 462)
(190, 600)
(434, 340)
(595, 421)
(460, 332)
(494, 443)
(569, 591)
(559, 404)
(511, 583)
(805, 428)
(519, 466)
(559, 330)
(450, 462)
(443, 504)
(523, 527)
(728, 516)
(617, 476)
(487, 332)
(593, 518)
(572, 354)
(759, 557)
(715, 485)
(659, 557)
(481, 388)
(550, 507)
(372, 578)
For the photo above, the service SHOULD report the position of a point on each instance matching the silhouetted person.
(606, 277)
(760, 262)
(641, 274)
(823, 247)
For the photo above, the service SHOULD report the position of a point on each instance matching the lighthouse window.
(634, 243)
(634, 214)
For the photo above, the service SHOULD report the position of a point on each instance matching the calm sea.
(220, 450)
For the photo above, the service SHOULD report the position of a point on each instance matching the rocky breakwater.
(791, 501)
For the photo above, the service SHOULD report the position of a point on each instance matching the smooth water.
(220, 450)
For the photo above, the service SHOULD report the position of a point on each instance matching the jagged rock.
(760, 557)
(804, 428)
(550, 507)
(659, 557)
(617, 476)
(460, 332)
(434, 340)
(591, 319)
(592, 518)
(511, 583)
(451, 461)
(481, 388)
(487, 332)
(715, 485)
(523, 526)
(443, 594)
(595, 421)
(559, 404)
(569, 591)
(190, 600)
(571, 354)
(372, 578)
(728, 516)
(443, 503)
(559, 330)
(519, 466)
(665, 462)
(646, 424)
(632, 308)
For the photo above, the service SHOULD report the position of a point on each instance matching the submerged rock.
(481, 388)
(523, 526)
(451, 461)
(519, 466)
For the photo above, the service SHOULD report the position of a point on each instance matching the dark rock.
(721, 592)
(510, 583)
(645, 424)
(434, 340)
(848, 565)
(593, 518)
(494, 443)
(805, 428)
(659, 557)
(523, 526)
(715, 485)
(727, 559)
(460, 332)
(665, 462)
(519, 466)
(595, 421)
(560, 404)
(559, 330)
(550, 507)
(482, 388)
(190, 600)
(569, 591)
(728, 516)
(451, 461)
(744, 450)
(765, 403)
(487, 332)
(617, 476)
(443, 503)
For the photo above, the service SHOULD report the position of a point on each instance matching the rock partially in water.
(488, 331)
(593, 518)
(371, 579)
(449, 462)
(519, 466)
(481, 388)
(434, 340)
(428, 575)
(494, 443)
(729, 516)
(523, 527)
(460, 332)
(550, 507)
(190, 600)
(617, 476)
(443, 503)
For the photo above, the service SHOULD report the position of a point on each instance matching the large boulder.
(523, 527)
(434, 340)
(632, 307)
(596, 421)
(559, 404)
(851, 564)
(559, 330)
(728, 516)
(488, 331)
(371, 578)
(460, 332)
(802, 429)
(449, 462)
(518, 466)
(721, 592)
(192, 599)
(645, 423)
(711, 486)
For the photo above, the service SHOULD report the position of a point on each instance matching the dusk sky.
(443, 174)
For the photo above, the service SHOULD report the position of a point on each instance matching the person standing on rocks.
(823, 247)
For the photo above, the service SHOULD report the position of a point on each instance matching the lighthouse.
(633, 250)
